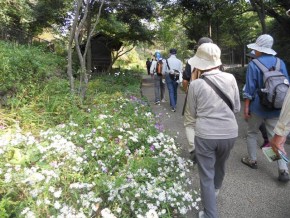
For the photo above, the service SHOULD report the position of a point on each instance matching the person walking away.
(156, 73)
(216, 127)
(282, 128)
(190, 74)
(251, 55)
(254, 111)
(172, 64)
(148, 65)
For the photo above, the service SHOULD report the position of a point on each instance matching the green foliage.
(32, 84)
(125, 23)
(48, 13)
(15, 13)
(24, 68)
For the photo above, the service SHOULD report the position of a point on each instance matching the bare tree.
(70, 45)
(78, 26)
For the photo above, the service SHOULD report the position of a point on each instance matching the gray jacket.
(214, 118)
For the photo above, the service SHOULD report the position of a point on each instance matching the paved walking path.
(246, 193)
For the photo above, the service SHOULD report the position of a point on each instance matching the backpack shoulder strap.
(278, 64)
(260, 65)
(264, 68)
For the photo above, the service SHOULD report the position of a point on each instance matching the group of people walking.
(212, 99)
(166, 71)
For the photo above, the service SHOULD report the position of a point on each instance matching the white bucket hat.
(263, 44)
(207, 56)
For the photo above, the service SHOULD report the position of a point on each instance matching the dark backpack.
(148, 64)
(275, 85)
(159, 67)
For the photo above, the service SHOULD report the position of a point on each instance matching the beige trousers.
(189, 124)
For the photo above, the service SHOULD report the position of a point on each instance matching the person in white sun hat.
(216, 127)
(254, 112)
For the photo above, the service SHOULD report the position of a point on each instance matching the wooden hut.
(102, 47)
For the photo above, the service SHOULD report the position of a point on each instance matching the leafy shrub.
(23, 68)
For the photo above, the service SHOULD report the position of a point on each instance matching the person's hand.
(247, 114)
(277, 143)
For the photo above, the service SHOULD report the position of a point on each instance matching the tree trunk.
(259, 7)
(71, 39)
(89, 53)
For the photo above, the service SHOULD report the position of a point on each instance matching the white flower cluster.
(76, 170)
(166, 187)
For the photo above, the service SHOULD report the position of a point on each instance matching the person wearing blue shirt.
(254, 112)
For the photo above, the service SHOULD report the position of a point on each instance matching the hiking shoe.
(157, 102)
(283, 176)
(250, 163)
(192, 156)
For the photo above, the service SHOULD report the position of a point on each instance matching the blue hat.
(158, 55)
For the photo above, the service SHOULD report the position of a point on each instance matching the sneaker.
(173, 109)
(163, 100)
(283, 176)
(250, 163)
(157, 102)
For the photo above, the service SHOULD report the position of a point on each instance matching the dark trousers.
(211, 155)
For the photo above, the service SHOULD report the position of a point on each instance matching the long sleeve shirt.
(214, 118)
(283, 125)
